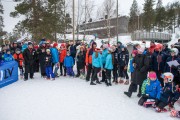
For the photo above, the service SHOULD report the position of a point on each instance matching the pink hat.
(152, 75)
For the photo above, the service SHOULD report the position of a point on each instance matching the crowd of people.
(145, 69)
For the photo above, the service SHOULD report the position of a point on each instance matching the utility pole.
(117, 21)
(73, 21)
(55, 34)
(85, 19)
(34, 19)
(78, 20)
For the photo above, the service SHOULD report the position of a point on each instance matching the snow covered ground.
(71, 99)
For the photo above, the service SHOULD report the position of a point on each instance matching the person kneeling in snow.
(68, 63)
(168, 94)
(151, 88)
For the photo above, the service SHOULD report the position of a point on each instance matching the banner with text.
(8, 73)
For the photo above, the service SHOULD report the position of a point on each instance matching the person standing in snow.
(123, 59)
(108, 67)
(115, 63)
(55, 58)
(48, 65)
(97, 66)
(29, 55)
(69, 63)
(104, 55)
(62, 55)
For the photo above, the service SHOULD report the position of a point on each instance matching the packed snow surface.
(71, 99)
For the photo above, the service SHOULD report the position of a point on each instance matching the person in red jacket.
(62, 55)
(89, 59)
(152, 47)
(18, 56)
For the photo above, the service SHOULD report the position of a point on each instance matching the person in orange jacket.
(89, 59)
(62, 55)
(18, 56)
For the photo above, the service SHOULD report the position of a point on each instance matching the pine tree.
(1, 19)
(133, 20)
(42, 18)
(149, 15)
(160, 16)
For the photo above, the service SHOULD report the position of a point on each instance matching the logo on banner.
(5, 74)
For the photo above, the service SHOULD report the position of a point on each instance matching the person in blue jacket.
(151, 88)
(24, 46)
(55, 58)
(69, 63)
(104, 55)
(7, 57)
(97, 66)
(108, 67)
(168, 93)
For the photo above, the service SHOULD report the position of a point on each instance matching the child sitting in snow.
(169, 93)
(151, 88)
(68, 63)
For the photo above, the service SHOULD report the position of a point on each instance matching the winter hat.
(175, 50)
(55, 45)
(17, 49)
(29, 43)
(47, 50)
(135, 52)
(158, 47)
(168, 75)
(63, 45)
(105, 46)
(152, 75)
(97, 49)
(8, 50)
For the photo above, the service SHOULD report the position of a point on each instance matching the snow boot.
(128, 94)
(139, 95)
(92, 83)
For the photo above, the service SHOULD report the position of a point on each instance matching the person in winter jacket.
(48, 65)
(108, 67)
(151, 88)
(62, 55)
(123, 59)
(55, 59)
(7, 57)
(141, 66)
(115, 63)
(69, 63)
(152, 47)
(97, 66)
(158, 62)
(72, 50)
(173, 69)
(41, 51)
(18, 56)
(131, 68)
(168, 92)
(29, 55)
(89, 54)
(80, 58)
(104, 55)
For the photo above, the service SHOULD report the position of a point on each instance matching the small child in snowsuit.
(68, 63)
(18, 56)
(169, 94)
(151, 89)
(48, 63)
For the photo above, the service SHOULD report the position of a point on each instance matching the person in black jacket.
(141, 67)
(81, 55)
(29, 55)
(115, 64)
(123, 60)
(41, 55)
(48, 65)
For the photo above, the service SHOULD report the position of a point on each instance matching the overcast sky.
(10, 22)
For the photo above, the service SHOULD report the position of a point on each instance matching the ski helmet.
(169, 76)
